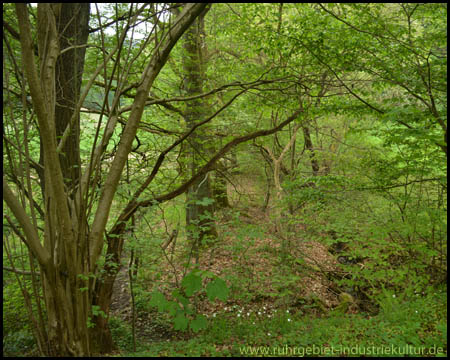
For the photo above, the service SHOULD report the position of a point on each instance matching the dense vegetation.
(225, 180)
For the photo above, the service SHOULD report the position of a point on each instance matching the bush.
(121, 333)
(18, 343)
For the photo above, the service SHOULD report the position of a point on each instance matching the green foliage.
(14, 316)
(313, 190)
(191, 283)
(199, 323)
(217, 288)
(18, 338)
(375, 101)
(418, 321)
(122, 334)
(18, 343)
(180, 308)
(95, 312)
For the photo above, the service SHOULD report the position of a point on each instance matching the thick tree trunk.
(102, 341)
(67, 316)
(67, 307)
(60, 26)
(199, 222)
(72, 25)
(73, 29)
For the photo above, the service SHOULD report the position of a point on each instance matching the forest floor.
(253, 260)
(285, 292)
(275, 300)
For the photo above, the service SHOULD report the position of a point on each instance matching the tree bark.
(199, 222)
(73, 29)
(220, 186)
(309, 146)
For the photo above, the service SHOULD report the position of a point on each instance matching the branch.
(210, 165)
(16, 35)
(156, 101)
(401, 185)
(21, 272)
(163, 154)
(133, 205)
(157, 61)
(31, 235)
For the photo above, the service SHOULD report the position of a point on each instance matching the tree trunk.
(72, 26)
(102, 341)
(73, 29)
(309, 146)
(67, 315)
(220, 186)
(199, 222)
(67, 307)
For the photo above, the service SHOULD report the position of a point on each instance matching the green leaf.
(180, 322)
(199, 323)
(183, 300)
(159, 300)
(217, 288)
(191, 283)
(97, 312)
(172, 308)
(205, 201)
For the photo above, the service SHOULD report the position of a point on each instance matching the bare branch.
(20, 272)
(31, 235)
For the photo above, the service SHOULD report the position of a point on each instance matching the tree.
(399, 48)
(199, 205)
(71, 250)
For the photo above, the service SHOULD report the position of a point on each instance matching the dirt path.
(148, 329)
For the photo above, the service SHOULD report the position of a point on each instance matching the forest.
(257, 179)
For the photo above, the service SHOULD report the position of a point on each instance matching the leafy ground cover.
(280, 304)
(416, 325)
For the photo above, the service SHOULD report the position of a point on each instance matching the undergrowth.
(412, 323)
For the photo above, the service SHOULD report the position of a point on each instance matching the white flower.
(214, 315)
(393, 295)
(239, 315)
(287, 311)
(268, 334)
(248, 314)
(259, 312)
(289, 320)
